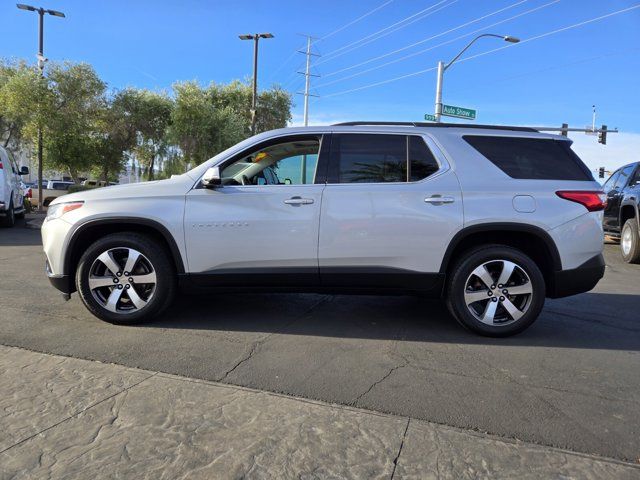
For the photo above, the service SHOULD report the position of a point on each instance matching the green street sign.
(458, 112)
(429, 118)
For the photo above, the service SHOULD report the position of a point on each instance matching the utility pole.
(41, 61)
(254, 98)
(307, 84)
(307, 81)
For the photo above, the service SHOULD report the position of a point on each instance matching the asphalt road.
(570, 381)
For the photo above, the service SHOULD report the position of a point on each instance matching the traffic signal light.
(601, 172)
(602, 135)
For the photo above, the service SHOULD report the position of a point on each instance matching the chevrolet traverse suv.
(492, 219)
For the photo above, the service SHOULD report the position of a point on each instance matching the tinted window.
(531, 158)
(422, 161)
(622, 179)
(635, 179)
(362, 158)
(608, 185)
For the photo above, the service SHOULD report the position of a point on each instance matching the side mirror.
(212, 178)
(24, 170)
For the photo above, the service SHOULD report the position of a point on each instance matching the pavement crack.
(245, 359)
(395, 460)
(376, 383)
(266, 337)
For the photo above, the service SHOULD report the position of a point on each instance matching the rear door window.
(531, 158)
(365, 158)
(379, 158)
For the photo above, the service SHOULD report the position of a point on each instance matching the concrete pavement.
(69, 418)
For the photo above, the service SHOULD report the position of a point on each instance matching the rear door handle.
(299, 201)
(438, 199)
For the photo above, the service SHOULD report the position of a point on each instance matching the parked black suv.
(621, 213)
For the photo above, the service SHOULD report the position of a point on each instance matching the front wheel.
(495, 291)
(630, 241)
(126, 278)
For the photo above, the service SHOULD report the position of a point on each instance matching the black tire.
(527, 275)
(10, 219)
(153, 254)
(23, 212)
(630, 233)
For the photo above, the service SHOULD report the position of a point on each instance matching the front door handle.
(299, 201)
(438, 199)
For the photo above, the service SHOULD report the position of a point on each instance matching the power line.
(564, 65)
(428, 39)
(553, 32)
(420, 52)
(380, 33)
(293, 54)
(353, 21)
(287, 60)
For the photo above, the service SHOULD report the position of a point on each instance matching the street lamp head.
(56, 13)
(265, 35)
(245, 37)
(510, 39)
(22, 6)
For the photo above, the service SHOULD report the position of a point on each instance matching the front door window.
(288, 163)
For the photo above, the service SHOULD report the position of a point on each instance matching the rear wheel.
(10, 219)
(495, 291)
(126, 278)
(630, 241)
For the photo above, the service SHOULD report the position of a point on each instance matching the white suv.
(493, 219)
(11, 191)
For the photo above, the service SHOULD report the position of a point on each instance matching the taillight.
(1, 167)
(29, 193)
(593, 201)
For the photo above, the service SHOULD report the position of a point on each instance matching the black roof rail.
(437, 125)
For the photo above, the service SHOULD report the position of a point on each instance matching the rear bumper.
(577, 280)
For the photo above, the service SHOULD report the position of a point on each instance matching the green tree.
(207, 120)
(72, 136)
(199, 127)
(151, 117)
(25, 103)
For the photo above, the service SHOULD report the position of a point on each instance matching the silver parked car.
(491, 219)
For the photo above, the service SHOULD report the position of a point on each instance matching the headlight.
(59, 209)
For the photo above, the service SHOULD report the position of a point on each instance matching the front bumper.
(577, 280)
(61, 282)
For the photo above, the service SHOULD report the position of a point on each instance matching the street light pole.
(41, 61)
(443, 68)
(256, 37)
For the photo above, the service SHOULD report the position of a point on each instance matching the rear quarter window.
(531, 158)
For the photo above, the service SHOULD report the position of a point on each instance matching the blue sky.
(542, 81)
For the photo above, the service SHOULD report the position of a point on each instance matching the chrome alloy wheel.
(626, 241)
(498, 292)
(122, 280)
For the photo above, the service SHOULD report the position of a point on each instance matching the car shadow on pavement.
(591, 320)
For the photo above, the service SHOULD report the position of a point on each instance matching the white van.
(11, 193)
